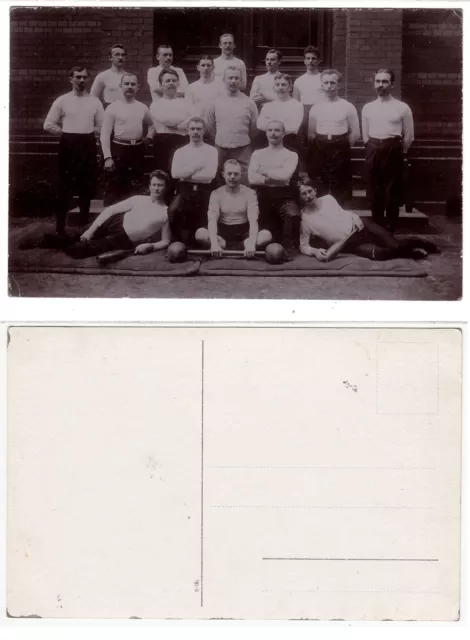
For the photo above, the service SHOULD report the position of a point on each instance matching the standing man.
(307, 88)
(170, 117)
(107, 84)
(271, 171)
(165, 61)
(333, 128)
(123, 142)
(76, 117)
(387, 131)
(194, 167)
(287, 110)
(207, 88)
(262, 89)
(231, 120)
(227, 59)
(233, 217)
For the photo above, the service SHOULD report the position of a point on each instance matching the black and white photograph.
(296, 153)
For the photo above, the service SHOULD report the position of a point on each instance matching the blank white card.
(245, 473)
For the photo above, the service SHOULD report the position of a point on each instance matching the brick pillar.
(374, 39)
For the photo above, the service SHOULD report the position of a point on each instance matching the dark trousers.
(280, 214)
(127, 177)
(384, 179)
(329, 164)
(188, 210)
(108, 237)
(376, 243)
(164, 147)
(77, 160)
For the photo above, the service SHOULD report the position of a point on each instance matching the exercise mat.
(40, 260)
(300, 265)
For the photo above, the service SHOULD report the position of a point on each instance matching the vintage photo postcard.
(234, 473)
(229, 152)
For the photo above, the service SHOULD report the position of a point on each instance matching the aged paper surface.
(234, 473)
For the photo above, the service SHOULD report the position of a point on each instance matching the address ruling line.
(360, 559)
(202, 473)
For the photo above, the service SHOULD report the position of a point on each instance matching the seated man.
(135, 223)
(345, 231)
(271, 171)
(233, 217)
(194, 167)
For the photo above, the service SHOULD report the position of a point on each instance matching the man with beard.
(123, 142)
(77, 117)
(388, 132)
(333, 128)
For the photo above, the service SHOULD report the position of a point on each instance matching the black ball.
(177, 252)
(275, 253)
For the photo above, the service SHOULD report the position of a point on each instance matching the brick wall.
(373, 39)
(46, 43)
(432, 70)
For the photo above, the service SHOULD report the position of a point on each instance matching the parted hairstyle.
(311, 49)
(129, 73)
(206, 56)
(77, 68)
(233, 162)
(232, 68)
(118, 45)
(306, 182)
(277, 52)
(165, 71)
(385, 70)
(161, 175)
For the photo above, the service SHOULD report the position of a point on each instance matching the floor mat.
(39, 260)
(343, 265)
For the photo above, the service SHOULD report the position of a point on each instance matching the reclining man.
(233, 217)
(271, 171)
(346, 232)
(139, 223)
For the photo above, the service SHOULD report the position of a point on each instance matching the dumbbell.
(274, 253)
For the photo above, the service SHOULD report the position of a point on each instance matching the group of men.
(232, 159)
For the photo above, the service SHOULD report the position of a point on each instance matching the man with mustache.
(77, 117)
(388, 132)
(107, 84)
(123, 142)
(262, 89)
(165, 61)
(227, 59)
(333, 128)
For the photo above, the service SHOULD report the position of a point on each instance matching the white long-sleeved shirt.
(154, 83)
(328, 221)
(188, 159)
(143, 218)
(127, 120)
(279, 164)
(70, 113)
(307, 89)
(334, 117)
(233, 207)
(290, 112)
(199, 94)
(232, 119)
(389, 118)
(262, 89)
(221, 63)
(169, 115)
(107, 85)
